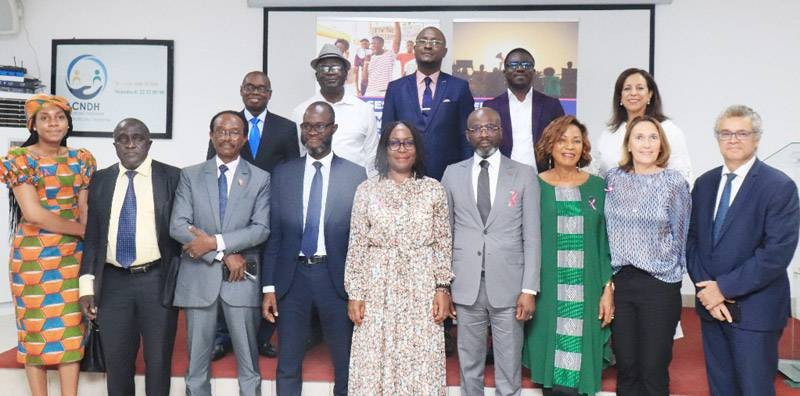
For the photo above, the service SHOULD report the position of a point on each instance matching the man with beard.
(270, 140)
(496, 254)
(303, 264)
(435, 102)
(356, 139)
(524, 111)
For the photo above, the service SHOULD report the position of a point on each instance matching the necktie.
(255, 136)
(311, 230)
(484, 202)
(222, 184)
(126, 231)
(724, 204)
(427, 96)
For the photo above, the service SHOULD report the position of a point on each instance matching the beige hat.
(329, 51)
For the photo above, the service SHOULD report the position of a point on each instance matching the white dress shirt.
(228, 176)
(494, 171)
(741, 172)
(522, 128)
(356, 139)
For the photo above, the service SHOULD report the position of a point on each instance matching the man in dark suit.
(303, 264)
(524, 111)
(435, 102)
(271, 140)
(742, 236)
(125, 281)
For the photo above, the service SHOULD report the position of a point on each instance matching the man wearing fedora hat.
(357, 137)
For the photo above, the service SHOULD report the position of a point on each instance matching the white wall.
(709, 54)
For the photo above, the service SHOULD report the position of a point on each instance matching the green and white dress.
(564, 343)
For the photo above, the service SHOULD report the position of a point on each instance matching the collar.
(145, 168)
(494, 160)
(512, 97)
(741, 171)
(434, 77)
(326, 160)
(231, 165)
(249, 116)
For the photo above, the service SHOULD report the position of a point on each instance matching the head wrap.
(36, 102)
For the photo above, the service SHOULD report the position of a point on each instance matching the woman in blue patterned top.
(647, 213)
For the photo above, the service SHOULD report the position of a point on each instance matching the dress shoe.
(219, 352)
(266, 349)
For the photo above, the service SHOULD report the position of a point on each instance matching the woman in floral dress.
(398, 273)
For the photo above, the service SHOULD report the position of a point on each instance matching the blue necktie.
(724, 204)
(311, 230)
(427, 96)
(255, 136)
(222, 184)
(126, 231)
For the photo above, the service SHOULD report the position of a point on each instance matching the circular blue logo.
(86, 77)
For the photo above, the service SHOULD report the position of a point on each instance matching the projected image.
(479, 47)
(379, 49)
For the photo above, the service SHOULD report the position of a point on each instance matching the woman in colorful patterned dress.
(647, 210)
(48, 197)
(567, 342)
(398, 273)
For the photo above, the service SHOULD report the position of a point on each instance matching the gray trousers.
(507, 335)
(201, 325)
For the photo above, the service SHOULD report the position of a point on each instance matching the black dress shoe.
(266, 349)
(449, 343)
(219, 352)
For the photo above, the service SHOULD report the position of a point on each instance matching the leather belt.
(138, 269)
(312, 259)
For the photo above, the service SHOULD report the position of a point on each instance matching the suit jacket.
(286, 222)
(444, 134)
(510, 236)
(101, 191)
(278, 143)
(544, 110)
(245, 226)
(755, 247)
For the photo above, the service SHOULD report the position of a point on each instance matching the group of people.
(386, 235)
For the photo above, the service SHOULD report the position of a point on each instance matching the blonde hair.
(626, 163)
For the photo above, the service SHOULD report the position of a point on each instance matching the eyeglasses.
(316, 127)
(250, 88)
(233, 134)
(524, 65)
(329, 68)
(740, 135)
(489, 128)
(395, 145)
(432, 43)
(124, 140)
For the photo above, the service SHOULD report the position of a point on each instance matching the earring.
(648, 102)
(550, 162)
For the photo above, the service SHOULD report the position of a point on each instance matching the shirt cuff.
(268, 289)
(529, 291)
(220, 247)
(86, 285)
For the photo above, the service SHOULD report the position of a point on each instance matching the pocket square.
(241, 182)
(512, 201)
(446, 100)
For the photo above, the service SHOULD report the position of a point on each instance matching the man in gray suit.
(221, 216)
(494, 209)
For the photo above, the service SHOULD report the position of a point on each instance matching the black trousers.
(646, 313)
(130, 309)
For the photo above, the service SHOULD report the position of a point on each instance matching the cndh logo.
(86, 77)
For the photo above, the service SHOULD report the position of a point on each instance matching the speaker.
(10, 16)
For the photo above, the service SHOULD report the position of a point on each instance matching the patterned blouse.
(648, 219)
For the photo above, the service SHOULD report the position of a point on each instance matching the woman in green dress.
(567, 342)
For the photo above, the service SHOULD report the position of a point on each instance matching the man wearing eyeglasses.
(356, 139)
(494, 209)
(435, 102)
(270, 140)
(303, 263)
(524, 111)
(221, 216)
(742, 237)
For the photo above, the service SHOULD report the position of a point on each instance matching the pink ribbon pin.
(592, 201)
(512, 202)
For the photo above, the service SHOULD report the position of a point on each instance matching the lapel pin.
(241, 183)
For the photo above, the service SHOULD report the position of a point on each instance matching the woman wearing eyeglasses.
(636, 94)
(647, 214)
(398, 273)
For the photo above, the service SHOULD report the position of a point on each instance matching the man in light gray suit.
(494, 209)
(221, 216)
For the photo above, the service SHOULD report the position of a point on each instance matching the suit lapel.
(333, 180)
(413, 95)
(160, 197)
(107, 194)
(536, 113)
(297, 193)
(240, 182)
(439, 95)
(262, 145)
(504, 182)
(467, 169)
(742, 197)
(213, 190)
